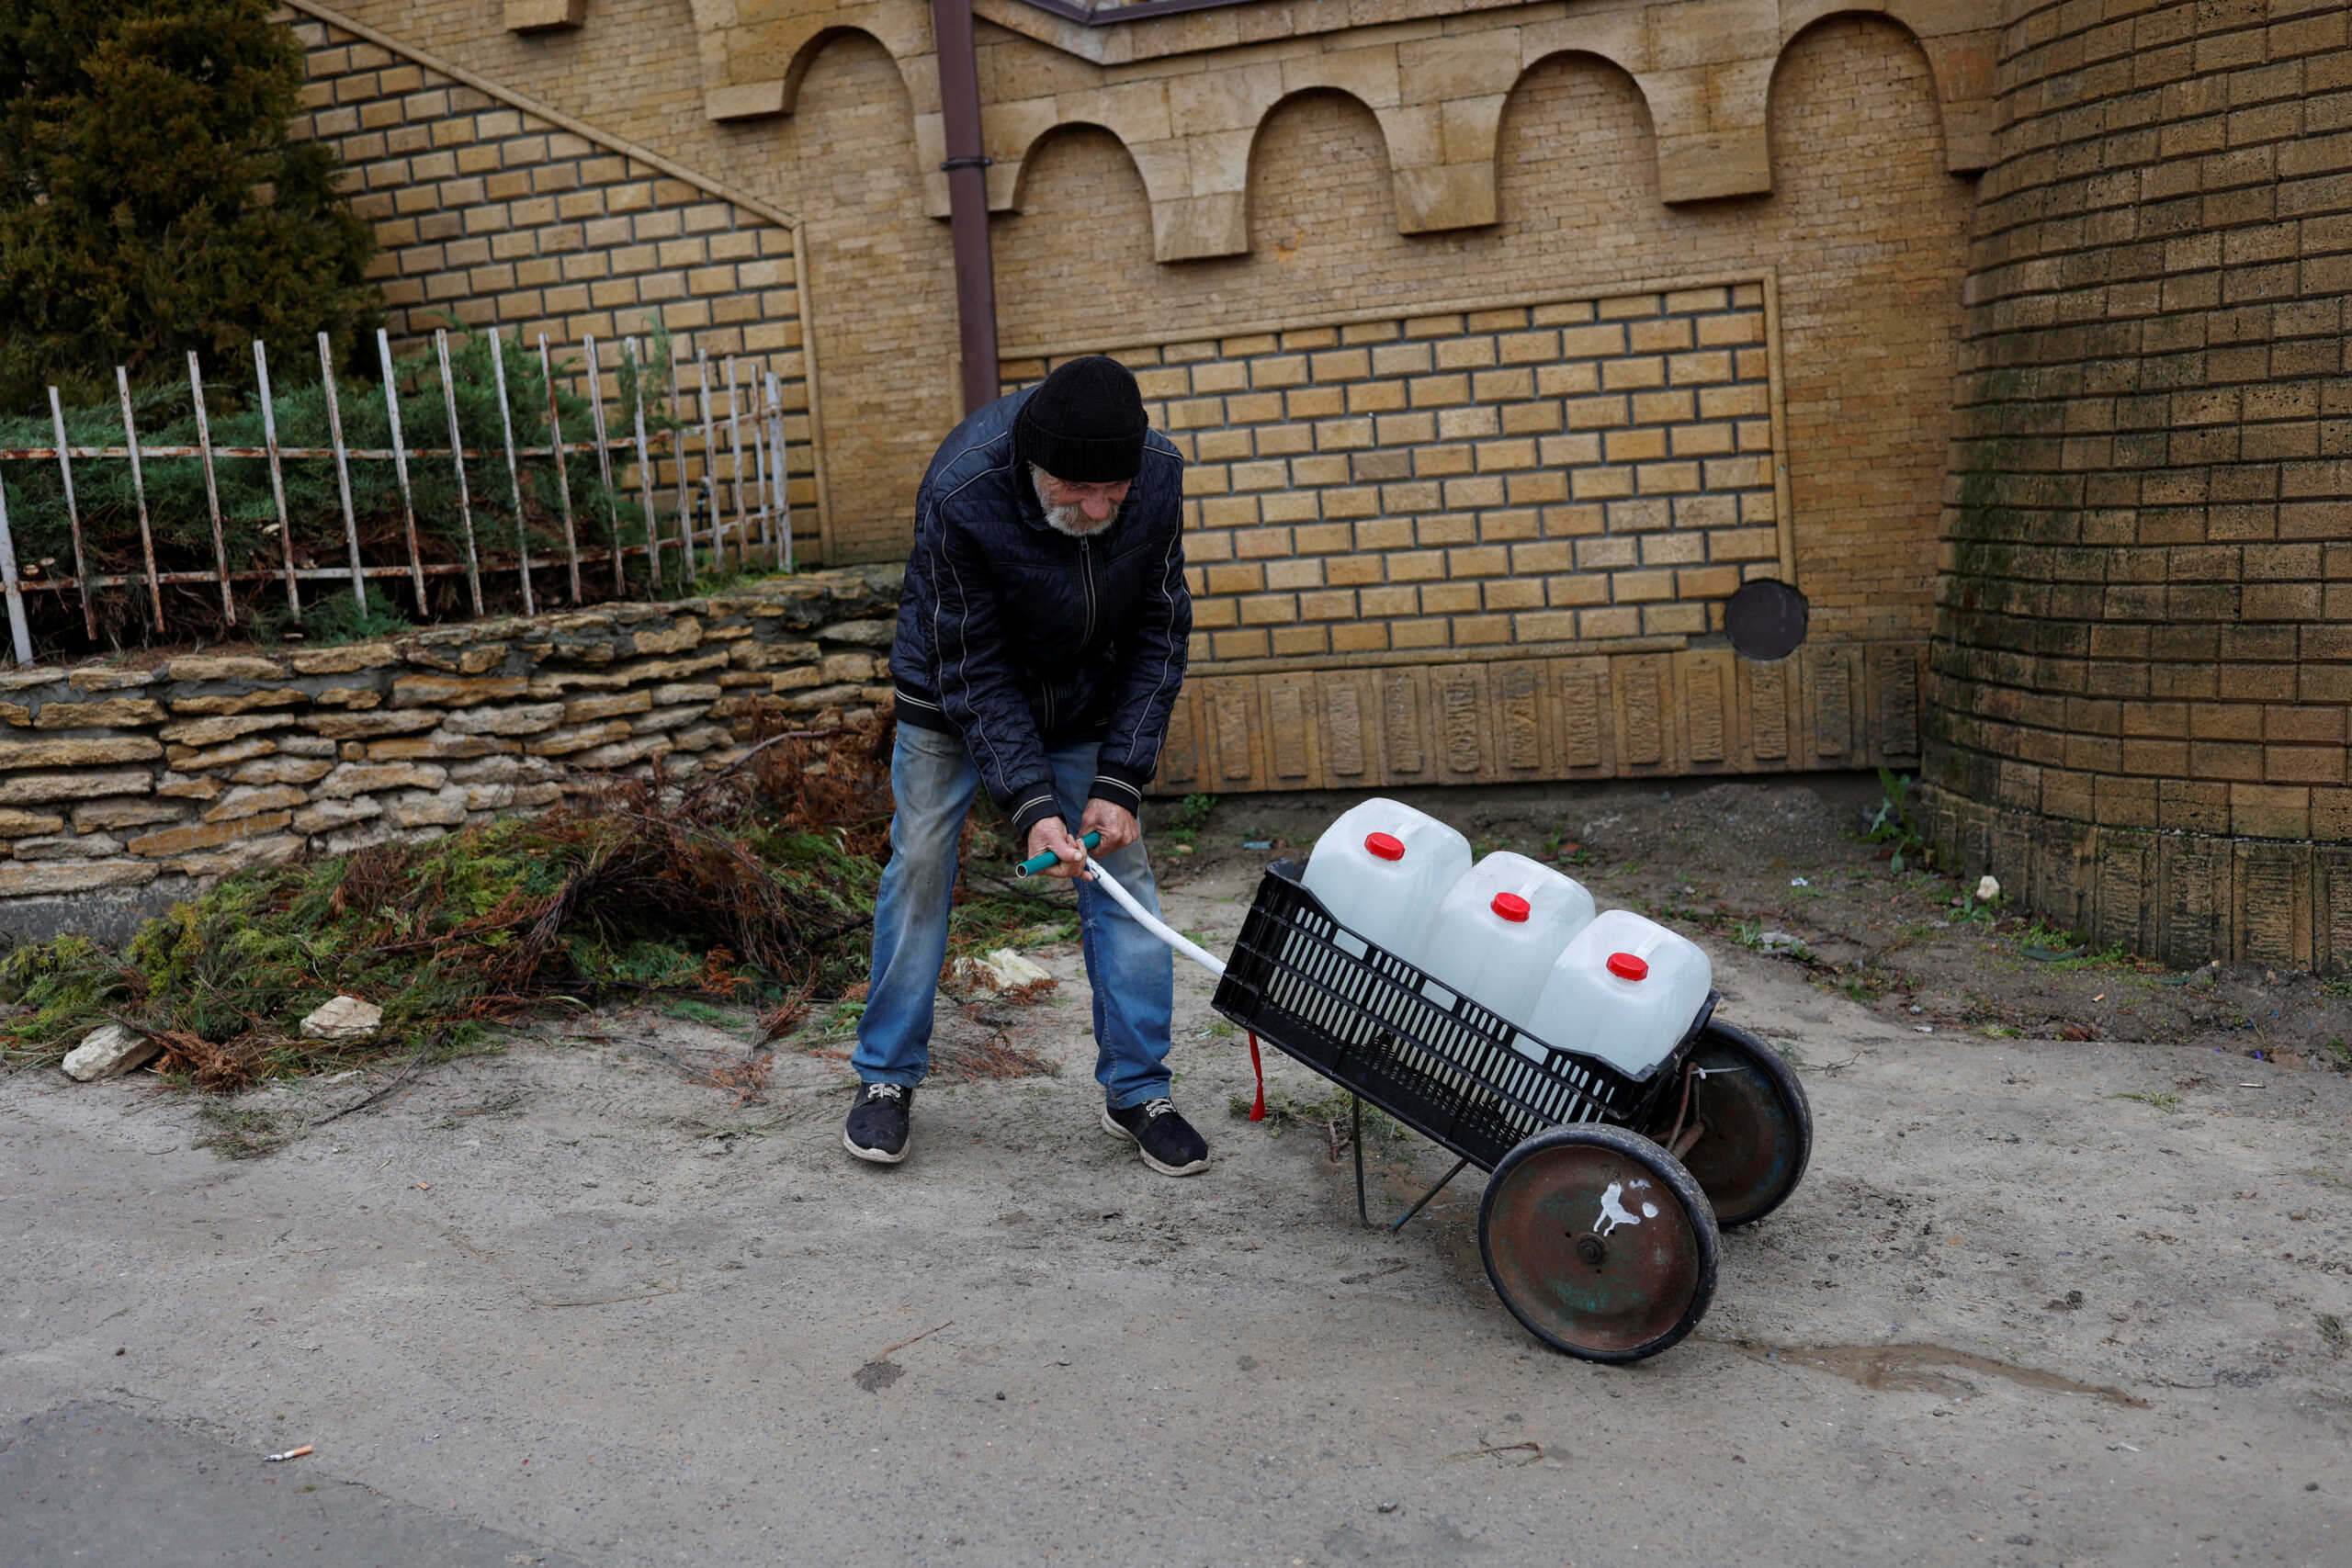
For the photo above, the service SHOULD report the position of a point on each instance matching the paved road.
(89, 1482)
(563, 1301)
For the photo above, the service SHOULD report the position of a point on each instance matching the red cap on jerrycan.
(1510, 905)
(1385, 845)
(1625, 966)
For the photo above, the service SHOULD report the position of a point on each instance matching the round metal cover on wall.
(1766, 619)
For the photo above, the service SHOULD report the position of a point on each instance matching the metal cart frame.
(1564, 1136)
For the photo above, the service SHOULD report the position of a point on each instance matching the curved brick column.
(2142, 660)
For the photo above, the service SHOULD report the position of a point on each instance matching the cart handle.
(1048, 861)
(1152, 923)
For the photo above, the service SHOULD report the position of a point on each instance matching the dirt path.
(567, 1295)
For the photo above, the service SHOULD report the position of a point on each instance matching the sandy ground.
(573, 1302)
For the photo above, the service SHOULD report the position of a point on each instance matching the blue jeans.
(1133, 974)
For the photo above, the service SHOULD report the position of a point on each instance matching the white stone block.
(345, 1017)
(109, 1053)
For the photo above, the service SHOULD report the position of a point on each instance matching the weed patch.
(1328, 1116)
(1185, 821)
(239, 1132)
(702, 1012)
(1891, 823)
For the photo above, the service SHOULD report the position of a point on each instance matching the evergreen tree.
(151, 200)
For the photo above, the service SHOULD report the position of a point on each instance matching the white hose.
(1152, 923)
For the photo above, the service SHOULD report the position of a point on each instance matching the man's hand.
(1115, 823)
(1051, 836)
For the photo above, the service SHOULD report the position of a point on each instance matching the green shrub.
(155, 201)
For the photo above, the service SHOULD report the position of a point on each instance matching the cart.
(1599, 1224)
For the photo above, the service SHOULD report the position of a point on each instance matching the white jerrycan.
(1499, 930)
(1381, 869)
(1623, 990)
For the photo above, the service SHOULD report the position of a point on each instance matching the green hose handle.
(1037, 863)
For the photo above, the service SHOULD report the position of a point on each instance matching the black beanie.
(1085, 423)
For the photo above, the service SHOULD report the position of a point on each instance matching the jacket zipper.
(1086, 575)
(1086, 568)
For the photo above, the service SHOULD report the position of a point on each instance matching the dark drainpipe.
(967, 196)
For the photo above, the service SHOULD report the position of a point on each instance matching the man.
(1040, 647)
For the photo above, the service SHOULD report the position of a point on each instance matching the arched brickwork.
(886, 275)
(1085, 223)
(1871, 314)
(1318, 186)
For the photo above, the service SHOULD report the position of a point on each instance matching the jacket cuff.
(1120, 786)
(1029, 805)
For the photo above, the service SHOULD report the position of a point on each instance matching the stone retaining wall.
(123, 789)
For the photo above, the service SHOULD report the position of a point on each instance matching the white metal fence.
(712, 515)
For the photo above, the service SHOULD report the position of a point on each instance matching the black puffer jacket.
(1014, 636)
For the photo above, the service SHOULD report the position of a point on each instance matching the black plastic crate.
(1433, 1059)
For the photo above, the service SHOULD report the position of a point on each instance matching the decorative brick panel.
(1864, 239)
(1578, 470)
(1482, 490)
(2185, 898)
(1511, 719)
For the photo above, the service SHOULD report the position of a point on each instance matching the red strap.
(1258, 1110)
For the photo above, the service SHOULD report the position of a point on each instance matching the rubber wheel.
(1758, 1129)
(1599, 1242)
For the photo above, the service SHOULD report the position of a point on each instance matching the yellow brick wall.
(635, 72)
(1576, 471)
(1863, 225)
(1537, 434)
(846, 165)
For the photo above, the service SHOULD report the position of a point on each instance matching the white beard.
(1069, 519)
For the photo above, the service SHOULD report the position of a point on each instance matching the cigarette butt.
(290, 1453)
(425, 1186)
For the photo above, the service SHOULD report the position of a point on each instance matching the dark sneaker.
(877, 1129)
(1166, 1140)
